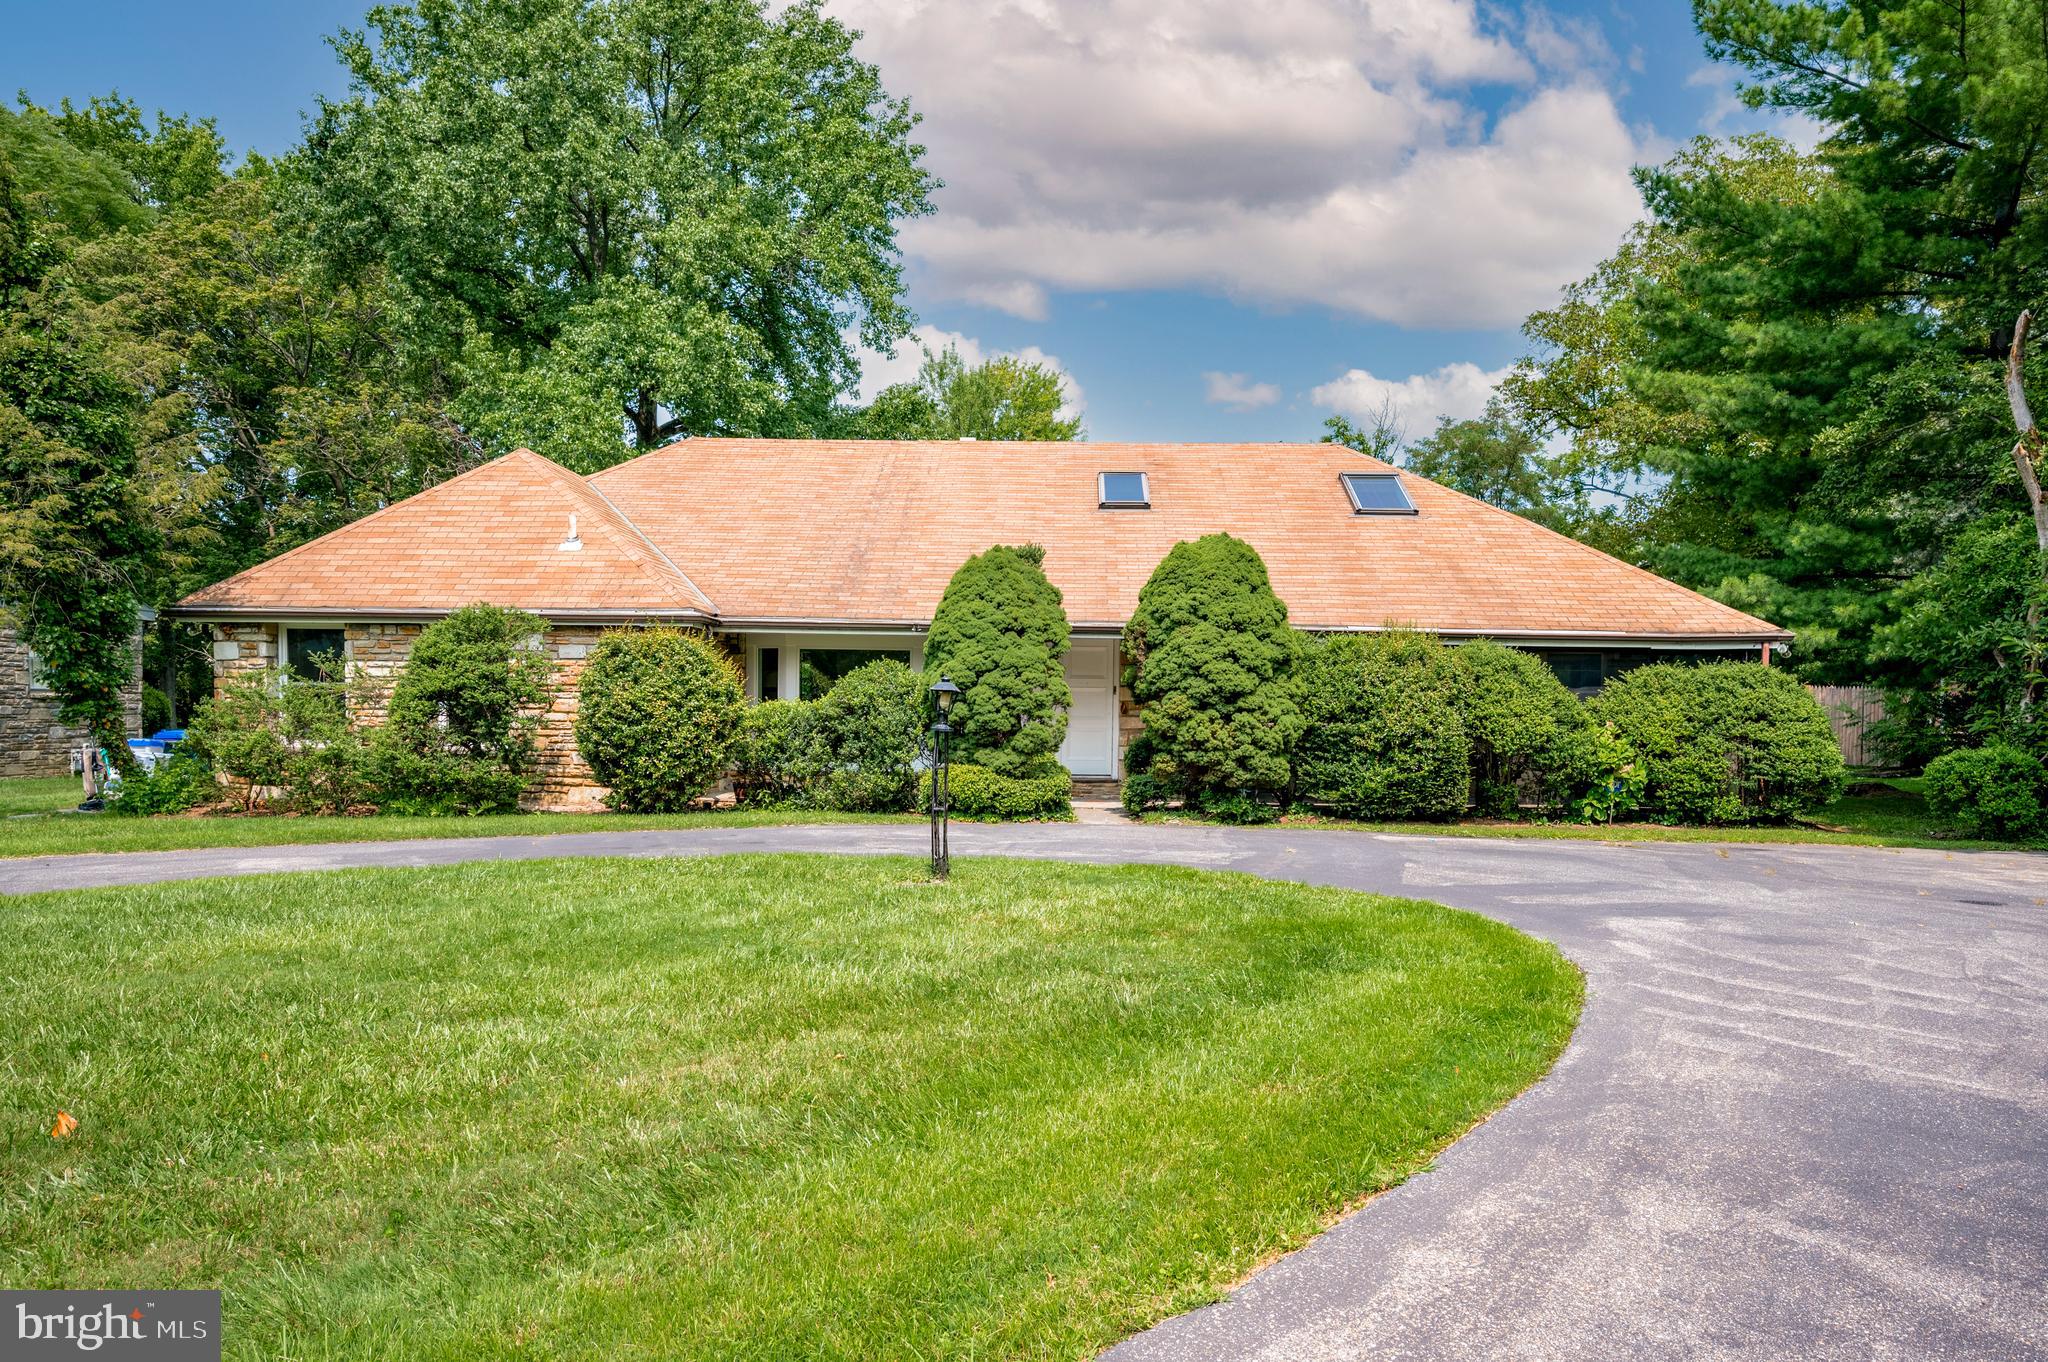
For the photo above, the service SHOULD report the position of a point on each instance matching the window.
(39, 682)
(769, 665)
(1377, 494)
(1126, 491)
(316, 654)
(819, 669)
(1582, 672)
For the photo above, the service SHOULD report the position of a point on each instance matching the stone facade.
(377, 653)
(33, 742)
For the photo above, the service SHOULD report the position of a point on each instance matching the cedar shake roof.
(491, 534)
(853, 532)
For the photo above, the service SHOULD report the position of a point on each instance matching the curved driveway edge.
(1805, 1114)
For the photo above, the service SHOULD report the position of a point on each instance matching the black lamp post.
(944, 692)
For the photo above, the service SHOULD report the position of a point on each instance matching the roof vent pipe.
(573, 544)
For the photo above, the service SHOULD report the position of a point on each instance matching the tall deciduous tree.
(1005, 398)
(72, 534)
(660, 217)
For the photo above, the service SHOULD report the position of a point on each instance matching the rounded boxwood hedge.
(1531, 737)
(1725, 742)
(1995, 791)
(657, 712)
(978, 792)
(869, 730)
(1383, 737)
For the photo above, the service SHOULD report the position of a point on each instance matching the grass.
(757, 1107)
(39, 794)
(60, 834)
(1894, 817)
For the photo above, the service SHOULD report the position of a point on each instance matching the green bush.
(1995, 791)
(459, 737)
(776, 758)
(156, 710)
(1531, 737)
(1213, 669)
(657, 713)
(178, 783)
(287, 739)
(1383, 736)
(977, 792)
(1725, 742)
(999, 635)
(868, 731)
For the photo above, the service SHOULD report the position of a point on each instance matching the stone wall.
(33, 741)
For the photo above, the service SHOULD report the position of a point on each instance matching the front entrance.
(1090, 748)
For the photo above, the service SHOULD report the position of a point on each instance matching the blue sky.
(1322, 203)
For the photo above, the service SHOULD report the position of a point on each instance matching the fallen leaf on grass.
(66, 1123)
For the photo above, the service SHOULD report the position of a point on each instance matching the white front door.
(1090, 748)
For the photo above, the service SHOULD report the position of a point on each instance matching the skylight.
(1125, 490)
(1377, 493)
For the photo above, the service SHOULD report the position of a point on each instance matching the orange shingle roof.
(492, 534)
(869, 532)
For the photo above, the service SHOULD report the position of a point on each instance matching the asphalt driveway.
(1806, 1114)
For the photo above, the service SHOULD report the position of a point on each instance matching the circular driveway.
(1805, 1115)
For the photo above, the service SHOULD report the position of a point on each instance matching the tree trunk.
(2027, 454)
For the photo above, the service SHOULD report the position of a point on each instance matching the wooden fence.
(1851, 711)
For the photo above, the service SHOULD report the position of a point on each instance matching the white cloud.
(1296, 151)
(1238, 392)
(878, 371)
(1416, 402)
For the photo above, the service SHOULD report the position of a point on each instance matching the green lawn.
(62, 833)
(39, 794)
(1896, 817)
(760, 1107)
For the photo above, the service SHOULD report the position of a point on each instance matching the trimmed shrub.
(178, 783)
(1531, 737)
(657, 713)
(1383, 736)
(978, 792)
(775, 759)
(869, 730)
(1995, 791)
(999, 634)
(459, 733)
(1213, 668)
(273, 732)
(1725, 742)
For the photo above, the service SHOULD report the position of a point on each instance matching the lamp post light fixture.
(944, 693)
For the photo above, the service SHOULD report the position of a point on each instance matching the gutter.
(200, 614)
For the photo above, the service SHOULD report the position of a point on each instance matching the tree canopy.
(657, 216)
(1005, 398)
(1802, 355)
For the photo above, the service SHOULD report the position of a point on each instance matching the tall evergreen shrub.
(1212, 665)
(999, 634)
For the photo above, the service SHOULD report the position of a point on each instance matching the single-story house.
(813, 556)
(33, 740)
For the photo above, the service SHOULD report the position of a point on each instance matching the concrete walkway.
(1806, 1114)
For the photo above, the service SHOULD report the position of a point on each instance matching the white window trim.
(32, 662)
(1102, 497)
(1393, 476)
